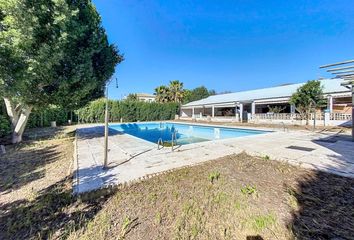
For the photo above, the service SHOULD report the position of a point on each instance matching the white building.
(145, 97)
(254, 105)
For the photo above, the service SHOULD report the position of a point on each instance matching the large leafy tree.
(51, 52)
(197, 94)
(307, 98)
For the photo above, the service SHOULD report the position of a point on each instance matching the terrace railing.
(296, 116)
(341, 116)
(276, 116)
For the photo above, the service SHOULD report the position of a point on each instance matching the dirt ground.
(235, 197)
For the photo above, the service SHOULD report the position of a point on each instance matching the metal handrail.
(173, 140)
(158, 143)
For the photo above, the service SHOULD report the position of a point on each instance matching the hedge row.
(38, 118)
(43, 117)
(127, 111)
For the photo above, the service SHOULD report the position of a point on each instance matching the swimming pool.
(185, 133)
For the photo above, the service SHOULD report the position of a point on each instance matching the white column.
(330, 104)
(192, 112)
(241, 112)
(213, 111)
(253, 111)
(327, 119)
(292, 108)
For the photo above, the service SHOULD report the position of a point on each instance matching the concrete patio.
(131, 158)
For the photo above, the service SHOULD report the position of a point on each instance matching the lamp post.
(106, 118)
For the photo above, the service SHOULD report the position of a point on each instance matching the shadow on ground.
(19, 166)
(54, 210)
(325, 200)
(343, 147)
(326, 207)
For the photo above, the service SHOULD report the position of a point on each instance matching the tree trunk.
(19, 117)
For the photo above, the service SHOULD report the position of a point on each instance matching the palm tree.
(162, 94)
(176, 91)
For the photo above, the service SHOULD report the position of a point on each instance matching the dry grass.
(36, 189)
(235, 197)
(231, 198)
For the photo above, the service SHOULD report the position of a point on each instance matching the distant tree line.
(175, 92)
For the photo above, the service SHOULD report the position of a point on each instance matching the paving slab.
(131, 158)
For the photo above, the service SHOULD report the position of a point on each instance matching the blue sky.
(228, 45)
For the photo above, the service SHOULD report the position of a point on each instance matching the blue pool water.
(185, 133)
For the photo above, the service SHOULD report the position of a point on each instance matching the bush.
(5, 127)
(43, 117)
(94, 112)
(38, 117)
(129, 111)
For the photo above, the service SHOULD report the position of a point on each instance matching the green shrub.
(128, 111)
(94, 112)
(5, 127)
(249, 190)
(43, 117)
(214, 176)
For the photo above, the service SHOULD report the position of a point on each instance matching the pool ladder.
(159, 142)
(173, 141)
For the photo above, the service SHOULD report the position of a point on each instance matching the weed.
(194, 230)
(213, 176)
(152, 197)
(220, 197)
(261, 222)
(158, 218)
(175, 194)
(266, 157)
(127, 226)
(237, 205)
(249, 190)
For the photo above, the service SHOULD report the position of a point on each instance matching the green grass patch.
(214, 176)
(261, 222)
(249, 190)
